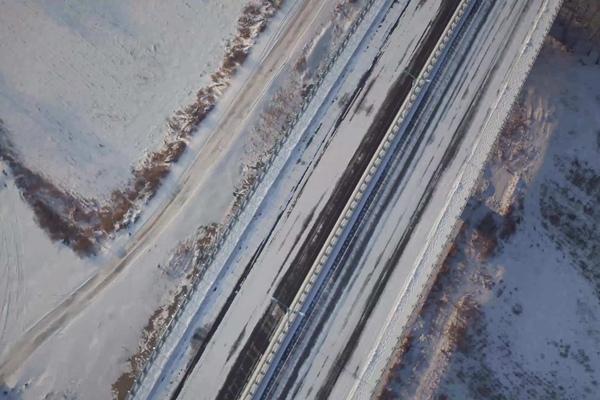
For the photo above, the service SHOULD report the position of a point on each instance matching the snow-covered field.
(515, 312)
(86, 87)
(82, 218)
(36, 273)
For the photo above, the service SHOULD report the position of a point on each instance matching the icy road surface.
(345, 355)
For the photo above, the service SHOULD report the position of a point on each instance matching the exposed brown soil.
(82, 223)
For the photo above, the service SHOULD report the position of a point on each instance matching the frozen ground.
(59, 318)
(515, 313)
(78, 218)
(86, 87)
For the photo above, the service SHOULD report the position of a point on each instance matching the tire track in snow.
(11, 270)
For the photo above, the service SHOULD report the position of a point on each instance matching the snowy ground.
(516, 311)
(69, 214)
(39, 77)
(58, 309)
(86, 87)
(36, 274)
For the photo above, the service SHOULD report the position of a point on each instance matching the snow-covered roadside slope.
(515, 313)
(86, 86)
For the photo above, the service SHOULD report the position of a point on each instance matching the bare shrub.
(511, 221)
(512, 144)
(466, 309)
(580, 21)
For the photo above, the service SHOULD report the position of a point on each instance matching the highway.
(364, 206)
(326, 348)
(351, 136)
(366, 215)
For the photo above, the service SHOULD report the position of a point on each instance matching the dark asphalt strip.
(305, 223)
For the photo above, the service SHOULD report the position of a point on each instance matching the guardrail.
(253, 386)
(225, 233)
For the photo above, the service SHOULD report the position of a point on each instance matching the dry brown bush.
(581, 16)
(152, 333)
(456, 331)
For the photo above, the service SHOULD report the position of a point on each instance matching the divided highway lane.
(337, 262)
(337, 336)
(294, 289)
(488, 83)
(345, 118)
(384, 192)
(219, 287)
